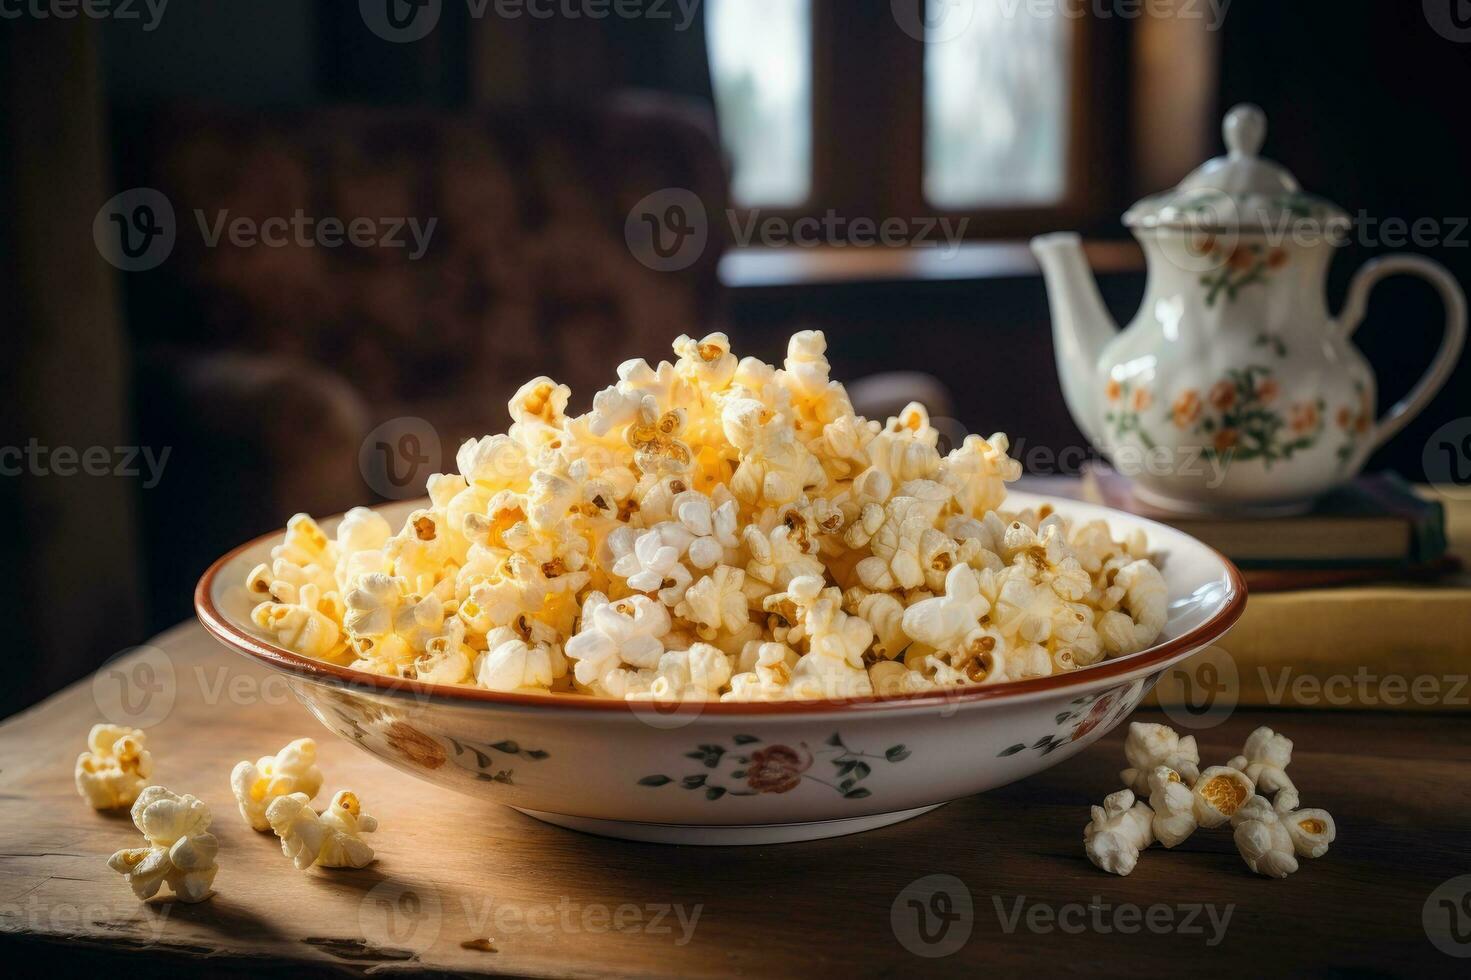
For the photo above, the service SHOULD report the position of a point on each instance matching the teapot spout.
(1081, 325)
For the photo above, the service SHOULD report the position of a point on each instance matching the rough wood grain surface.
(453, 870)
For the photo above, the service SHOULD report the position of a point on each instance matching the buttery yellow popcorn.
(115, 767)
(259, 784)
(714, 528)
(180, 852)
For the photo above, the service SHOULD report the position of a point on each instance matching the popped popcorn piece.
(1144, 595)
(329, 840)
(115, 767)
(1262, 839)
(180, 852)
(1149, 746)
(616, 636)
(705, 489)
(1311, 830)
(258, 784)
(1265, 759)
(945, 621)
(1174, 807)
(1120, 829)
(1219, 793)
(516, 662)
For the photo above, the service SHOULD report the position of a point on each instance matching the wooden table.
(452, 869)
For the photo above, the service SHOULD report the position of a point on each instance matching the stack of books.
(1359, 605)
(1367, 530)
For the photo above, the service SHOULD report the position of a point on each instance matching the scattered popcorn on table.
(1265, 759)
(715, 529)
(115, 767)
(1174, 806)
(1219, 793)
(180, 851)
(1149, 746)
(1119, 831)
(258, 784)
(1263, 840)
(1269, 834)
(329, 840)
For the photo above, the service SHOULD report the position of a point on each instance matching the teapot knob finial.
(1245, 130)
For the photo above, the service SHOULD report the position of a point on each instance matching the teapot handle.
(1440, 369)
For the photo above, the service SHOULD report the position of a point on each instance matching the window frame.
(883, 112)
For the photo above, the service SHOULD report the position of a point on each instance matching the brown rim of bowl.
(318, 670)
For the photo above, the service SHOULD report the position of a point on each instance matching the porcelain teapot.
(1234, 389)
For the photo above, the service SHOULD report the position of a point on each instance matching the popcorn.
(1173, 805)
(331, 840)
(1265, 759)
(179, 852)
(1311, 830)
(1120, 829)
(720, 528)
(1262, 839)
(514, 662)
(258, 784)
(1149, 746)
(945, 621)
(115, 767)
(1270, 835)
(615, 637)
(1219, 793)
(1141, 590)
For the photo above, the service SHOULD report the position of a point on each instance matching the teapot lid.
(1240, 191)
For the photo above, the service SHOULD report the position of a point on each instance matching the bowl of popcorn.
(719, 607)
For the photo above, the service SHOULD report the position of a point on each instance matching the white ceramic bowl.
(737, 773)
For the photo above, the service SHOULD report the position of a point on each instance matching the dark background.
(1367, 104)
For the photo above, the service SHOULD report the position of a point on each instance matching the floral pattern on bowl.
(780, 768)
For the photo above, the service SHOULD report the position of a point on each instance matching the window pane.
(761, 63)
(995, 104)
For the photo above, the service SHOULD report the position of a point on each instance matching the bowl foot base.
(715, 836)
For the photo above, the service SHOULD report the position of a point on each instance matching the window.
(995, 109)
(915, 108)
(761, 64)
